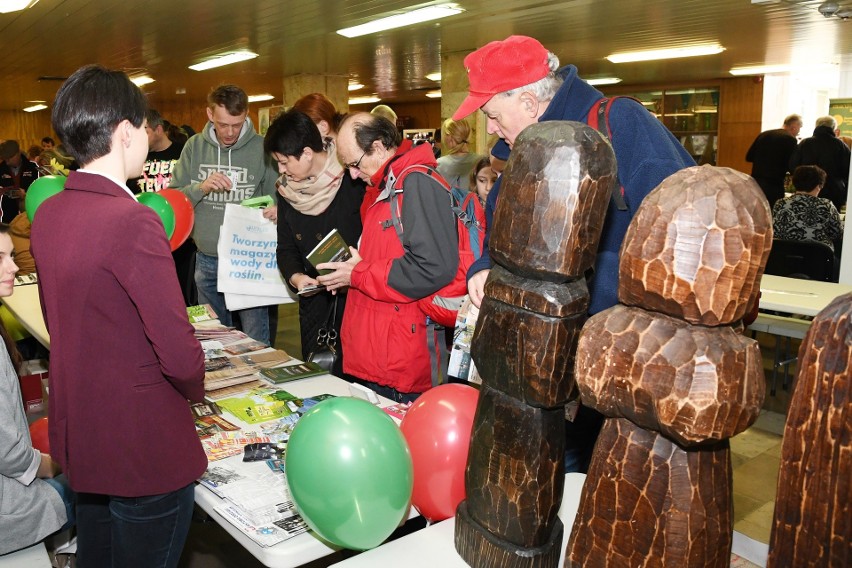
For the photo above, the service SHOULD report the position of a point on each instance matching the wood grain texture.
(697, 246)
(674, 376)
(564, 299)
(555, 195)
(692, 383)
(553, 199)
(648, 502)
(485, 550)
(812, 526)
(514, 477)
(523, 353)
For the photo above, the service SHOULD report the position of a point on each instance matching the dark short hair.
(90, 105)
(154, 119)
(805, 178)
(175, 133)
(369, 127)
(233, 98)
(290, 133)
(9, 148)
(48, 139)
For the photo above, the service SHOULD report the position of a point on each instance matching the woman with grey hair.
(825, 150)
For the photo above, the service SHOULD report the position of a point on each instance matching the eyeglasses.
(355, 165)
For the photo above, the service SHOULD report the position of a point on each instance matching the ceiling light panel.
(671, 53)
(220, 60)
(402, 20)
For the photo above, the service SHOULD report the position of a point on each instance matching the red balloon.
(184, 216)
(437, 428)
(38, 435)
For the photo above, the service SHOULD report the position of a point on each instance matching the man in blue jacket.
(517, 82)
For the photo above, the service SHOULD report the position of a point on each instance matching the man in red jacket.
(123, 358)
(384, 331)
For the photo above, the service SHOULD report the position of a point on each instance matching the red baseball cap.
(501, 66)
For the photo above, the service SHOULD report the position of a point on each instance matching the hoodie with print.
(244, 161)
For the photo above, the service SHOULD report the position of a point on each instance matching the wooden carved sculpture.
(673, 376)
(813, 506)
(554, 198)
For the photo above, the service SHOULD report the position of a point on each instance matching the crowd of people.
(325, 171)
(815, 171)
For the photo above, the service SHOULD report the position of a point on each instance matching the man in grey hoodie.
(224, 163)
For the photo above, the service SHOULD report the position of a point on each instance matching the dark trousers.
(580, 438)
(772, 188)
(387, 392)
(131, 532)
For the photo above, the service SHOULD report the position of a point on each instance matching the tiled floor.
(756, 454)
(755, 457)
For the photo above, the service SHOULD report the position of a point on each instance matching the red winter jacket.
(384, 330)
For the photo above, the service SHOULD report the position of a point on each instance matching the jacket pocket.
(148, 376)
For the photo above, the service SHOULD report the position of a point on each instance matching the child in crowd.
(482, 179)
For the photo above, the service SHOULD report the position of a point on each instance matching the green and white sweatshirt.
(253, 169)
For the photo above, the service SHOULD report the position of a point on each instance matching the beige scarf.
(312, 196)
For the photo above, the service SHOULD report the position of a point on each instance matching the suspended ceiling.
(161, 38)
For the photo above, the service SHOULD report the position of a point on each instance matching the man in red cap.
(517, 82)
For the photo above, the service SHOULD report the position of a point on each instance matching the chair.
(808, 260)
(784, 329)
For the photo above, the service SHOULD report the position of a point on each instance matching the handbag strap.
(327, 334)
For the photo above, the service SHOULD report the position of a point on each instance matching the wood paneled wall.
(425, 114)
(194, 113)
(28, 128)
(740, 111)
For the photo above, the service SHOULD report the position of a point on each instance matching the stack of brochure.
(256, 501)
(224, 371)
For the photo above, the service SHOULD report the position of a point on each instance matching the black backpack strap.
(396, 187)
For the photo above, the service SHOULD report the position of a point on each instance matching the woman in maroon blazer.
(123, 357)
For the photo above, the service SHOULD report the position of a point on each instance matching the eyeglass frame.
(355, 165)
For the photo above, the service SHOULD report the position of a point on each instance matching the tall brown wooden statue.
(547, 225)
(673, 376)
(813, 507)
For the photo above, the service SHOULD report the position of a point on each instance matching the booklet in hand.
(332, 248)
(310, 289)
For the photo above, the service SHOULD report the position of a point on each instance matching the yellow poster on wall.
(841, 110)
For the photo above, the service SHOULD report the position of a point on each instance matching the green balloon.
(162, 208)
(350, 472)
(41, 189)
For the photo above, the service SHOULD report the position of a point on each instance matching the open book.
(332, 248)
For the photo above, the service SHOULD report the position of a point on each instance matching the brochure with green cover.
(332, 248)
(202, 312)
(292, 372)
(261, 405)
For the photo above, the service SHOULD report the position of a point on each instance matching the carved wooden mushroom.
(813, 506)
(548, 222)
(673, 377)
